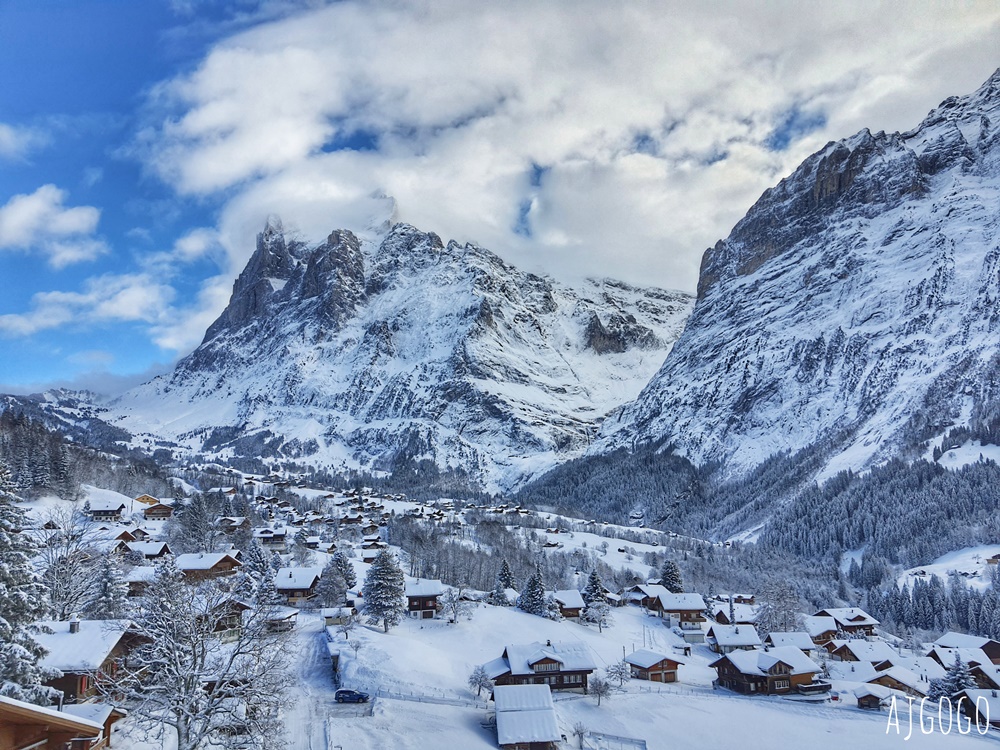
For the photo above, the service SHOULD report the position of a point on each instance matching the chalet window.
(781, 684)
(573, 679)
(547, 667)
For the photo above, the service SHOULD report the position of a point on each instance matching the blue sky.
(142, 144)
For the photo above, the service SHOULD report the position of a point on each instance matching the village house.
(138, 578)
(199, 566)
(422, 598)
(297, 585)
(82, 650)
(973, 657)
(158, 513)
(231, 524)
(570, 603)
(743, 614)
(226, 619)
(851, 620)
(855, 649)
(149, 550)
(820, 629)
(337, 615)
(525, 718)
(988, 646)
(106, 509)
(562, 665)
(25, 726)
(982, 707)
(147, 500)
(653, 666)
(774, 672)
(871, 696)
(799, 639)
(902, 679)
(724, 639)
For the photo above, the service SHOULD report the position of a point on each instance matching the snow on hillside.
(970, 563)
(969, 453)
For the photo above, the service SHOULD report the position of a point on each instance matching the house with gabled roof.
(776, 671)
(852, 620)
(902, 679)
(723, 639)
(297, 585)
(158, 512)
(820, 628)
(798, 638)
(525, 717)
(856, 649)
(743, 614)
(82, 650)
(24, 726)
(988, 646)
(570, 603)
(973, 657)
(422, 598)
(106, 508)
(564, 665)
(149, 550)
(654, 666)
(198, 566)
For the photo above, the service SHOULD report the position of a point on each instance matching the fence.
(602, 741)
(441, 699)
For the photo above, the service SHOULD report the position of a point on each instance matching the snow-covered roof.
(525, 715)
(496, 667)
(569, 598)
(106, 504)
(905, 676)
(870, 651)
(967, 655)
(149, 549)
(961, 640)
(734, 635)
(296, 578)
(202, 560)
(759, 662)
(424, 587)
(742, 612)
(985, 701)
(681, 602)
(83, 651)
(816, 625)
(95, 712)
(798, 638)
(572, 655)
(849, 616)
(876, 690)
(141, 574)
(60, 719)
(644, 658)
(522, 697)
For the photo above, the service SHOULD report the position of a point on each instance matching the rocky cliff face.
(363, 354)
(855, 306)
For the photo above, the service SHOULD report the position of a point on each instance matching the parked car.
(351, 696)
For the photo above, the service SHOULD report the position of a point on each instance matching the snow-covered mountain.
(856, 306)
(363, 353)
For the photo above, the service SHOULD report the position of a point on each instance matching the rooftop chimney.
(74, 624)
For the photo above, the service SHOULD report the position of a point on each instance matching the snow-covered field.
(969, 562)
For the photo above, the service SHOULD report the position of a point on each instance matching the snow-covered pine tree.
(346, 569)
(594, 590)
(532, 599)
(332, 587)
(505, 578)
(671, 575)
(111, 600)
(498, 596)
(22, 602)
(384, 591)
(957, 679)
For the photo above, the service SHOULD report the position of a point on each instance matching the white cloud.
(112, 298)
(17, 142)
(40, 222)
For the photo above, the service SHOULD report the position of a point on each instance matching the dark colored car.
(351, 696)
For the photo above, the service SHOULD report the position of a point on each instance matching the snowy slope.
(855, 305)
(362, 353)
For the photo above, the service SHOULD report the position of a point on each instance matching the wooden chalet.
(724, 639)
(821, 629)
(743, 614)
(199, 566)
(297, 585)
(902, 679)
(653, 666)
(226, 619)
(25, 726)
(232, 524)
(871, 696)
(159, 512)
(852, 620)
(147, 500)
(562, 666)
(988, 646)
(83, 650)
(149, 550)
(799, 639)
(982, 707)
(777, 671)
(872, 652)
(973, 657)
(422, 598)
(570, 603)
(107, 510)
(526, 718)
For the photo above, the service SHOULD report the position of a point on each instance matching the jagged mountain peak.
(854, 309)
(369, 351)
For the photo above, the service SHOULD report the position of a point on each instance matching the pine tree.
(22, 602)
(956, 679)
(594, 590)
(332, 587)
(346, 569)
(111, 600)
(532, 599)
(498, 596)
(671, 576)
(384, 591)
(505, 579)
